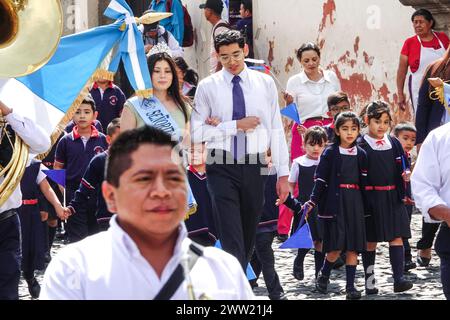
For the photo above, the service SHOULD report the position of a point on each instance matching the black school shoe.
(352, 294)
(422, 261)
(402, 285)
(33, 288)
(409, 265)
(322, 283)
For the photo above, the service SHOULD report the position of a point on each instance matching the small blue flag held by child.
(58, 176)
(291, 112)
(249, 272)
(301, 239)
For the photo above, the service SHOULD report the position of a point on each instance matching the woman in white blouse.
(310, 90)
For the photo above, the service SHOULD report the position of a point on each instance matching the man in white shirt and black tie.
(10, 246)
(430, 184)
(237, 115)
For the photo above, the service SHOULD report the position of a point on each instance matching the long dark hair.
(190, 75)
(341, 119)
(174, 89)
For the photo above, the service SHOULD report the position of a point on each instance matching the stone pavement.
(427, 285)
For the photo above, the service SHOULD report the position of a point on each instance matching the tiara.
(160, 48)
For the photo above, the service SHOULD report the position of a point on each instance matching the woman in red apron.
(417, 54)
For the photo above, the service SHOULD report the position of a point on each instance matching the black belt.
(7, 214)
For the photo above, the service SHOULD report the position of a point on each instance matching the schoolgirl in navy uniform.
(388, 220)
(338, 192)
(302, 175)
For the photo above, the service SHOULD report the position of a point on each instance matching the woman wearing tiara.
(167, 109)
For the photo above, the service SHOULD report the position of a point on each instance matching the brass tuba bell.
(30, 31)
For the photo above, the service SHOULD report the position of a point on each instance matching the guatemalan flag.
(46, 95)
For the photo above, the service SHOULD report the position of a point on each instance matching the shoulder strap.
(177, 277)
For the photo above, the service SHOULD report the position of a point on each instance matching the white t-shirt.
(310, 96)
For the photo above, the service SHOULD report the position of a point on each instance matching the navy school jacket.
(326, 189)
(399, 153)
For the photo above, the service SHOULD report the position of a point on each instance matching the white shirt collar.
(353, 151)
(229, 76)
(130, 246)
(376, 144)
(304, 78)
(304, 161)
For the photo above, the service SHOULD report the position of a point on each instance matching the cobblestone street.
(427, 284)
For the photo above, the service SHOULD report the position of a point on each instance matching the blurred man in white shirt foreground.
(430, 183)
(146, 245)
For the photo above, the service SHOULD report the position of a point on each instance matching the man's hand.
(436, 82)
(213, 121)
(248, 124)
(401, 100)
(4, 110)
(282, 189)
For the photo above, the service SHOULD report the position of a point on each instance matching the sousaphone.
(30, 31)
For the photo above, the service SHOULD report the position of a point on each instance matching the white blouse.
(311, 96)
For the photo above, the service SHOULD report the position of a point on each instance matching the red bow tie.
(380, 143)
(351, 151)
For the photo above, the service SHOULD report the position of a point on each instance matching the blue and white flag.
(46, 95)
(131, 48)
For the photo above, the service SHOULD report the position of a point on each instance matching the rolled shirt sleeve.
(33, 135)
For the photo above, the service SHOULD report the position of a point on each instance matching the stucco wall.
(361, 40)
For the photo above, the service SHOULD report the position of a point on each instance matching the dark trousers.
(406, 245)
(10, 258)
(442, 247)
(264, 260)
(237, 196)
(82, 223)
(428, 233)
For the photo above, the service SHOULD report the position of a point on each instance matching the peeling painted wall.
(360, 40)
